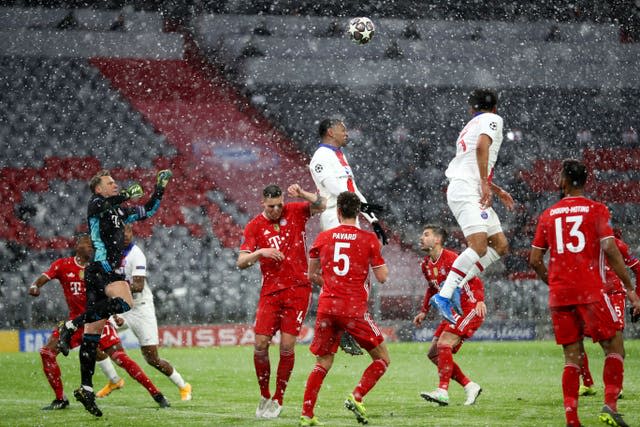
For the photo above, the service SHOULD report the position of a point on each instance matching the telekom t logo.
(274, 242)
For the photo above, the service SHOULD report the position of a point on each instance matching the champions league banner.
(489, 331)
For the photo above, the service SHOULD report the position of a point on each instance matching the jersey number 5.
(338, 256)
(575, 234)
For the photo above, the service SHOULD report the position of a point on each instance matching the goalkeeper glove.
(163, 177)
(377, 228)
(634, 317)
(371, 208)
(349, 345)
(134, 191)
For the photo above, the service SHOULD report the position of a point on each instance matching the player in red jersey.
(614, 288)
(448, 338)
(70, 273)
(576, 231)
(276, 238)
(339, 262)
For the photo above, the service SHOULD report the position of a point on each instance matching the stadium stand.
(135, 107)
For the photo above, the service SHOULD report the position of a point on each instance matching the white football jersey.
(135, 264)
(464, 165)
(325, 165)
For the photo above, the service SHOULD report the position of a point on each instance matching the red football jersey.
(345, 253)
(288, 236)
(612, 283)
(70, 274)
(572, 230)
(436, 273)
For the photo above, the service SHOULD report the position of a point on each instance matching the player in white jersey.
(333, 175)
(141, 319)
(470, 196)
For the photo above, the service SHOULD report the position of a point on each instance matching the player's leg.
(121, 358)
(151, 356)
(445, 344)
(48, 354)
(106, 366)
(587, 388)
(367, 334)
(88, 350)
(266, 325)
(571, 381)
(295, 302)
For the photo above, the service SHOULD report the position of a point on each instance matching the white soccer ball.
(361, 30)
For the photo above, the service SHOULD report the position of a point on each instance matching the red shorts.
(619, 303)
(597, 320)
(284, 310)
(329, 329)
(465, 327)
(108, 338)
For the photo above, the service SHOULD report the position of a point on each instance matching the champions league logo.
(318, 168)
(493, 125)
(484, 215)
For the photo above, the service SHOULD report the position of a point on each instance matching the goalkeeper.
(107, 291)
(333, 175)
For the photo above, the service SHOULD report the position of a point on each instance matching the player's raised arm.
(317, 202)
(381, 273)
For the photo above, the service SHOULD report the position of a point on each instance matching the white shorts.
(142, 322)
(463, 199)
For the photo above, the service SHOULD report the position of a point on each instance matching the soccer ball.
(361, 30)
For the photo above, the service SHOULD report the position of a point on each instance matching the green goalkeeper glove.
(134, 191)
(163, 178)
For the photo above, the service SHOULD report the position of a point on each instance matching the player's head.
(573, 177)
(83, 246)
(128, 234)
(433, 236)
(483, 100)
(272, 202)
(348, 206)
(333, 131)
(103, 184)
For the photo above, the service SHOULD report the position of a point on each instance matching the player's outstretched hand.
(507, 200)
(163, 177)
(294, 190)
(134, 191)
(486, 199)
(371, 208)
(377, 228)
(634, 317)
(481, 309)
(349, 345)
(271, 253)
(34, 291)
(419, 318)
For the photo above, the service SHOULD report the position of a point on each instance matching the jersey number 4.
(341, 258)
(576, 237)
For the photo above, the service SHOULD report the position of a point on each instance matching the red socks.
(285, 366)
(612, 376)
(587, 379)
(311, 390)
(370, 377)
(263, 371)
(445, 366)
(134, 370)
(52, 371)
(570, 386)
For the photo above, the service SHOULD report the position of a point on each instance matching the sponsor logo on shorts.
(484, 215)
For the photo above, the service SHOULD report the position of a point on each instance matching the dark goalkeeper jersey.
(106, 220)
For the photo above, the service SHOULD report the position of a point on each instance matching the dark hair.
(575, 172)
(483, 99)
(97, 179)
(327, 124)
(349, 204)
(437, 230)
(271, 191)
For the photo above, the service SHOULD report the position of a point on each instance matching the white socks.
(467, 264)
(461, 266)
(177, 379)
(109, 370)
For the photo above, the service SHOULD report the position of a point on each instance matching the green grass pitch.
(520, 380)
